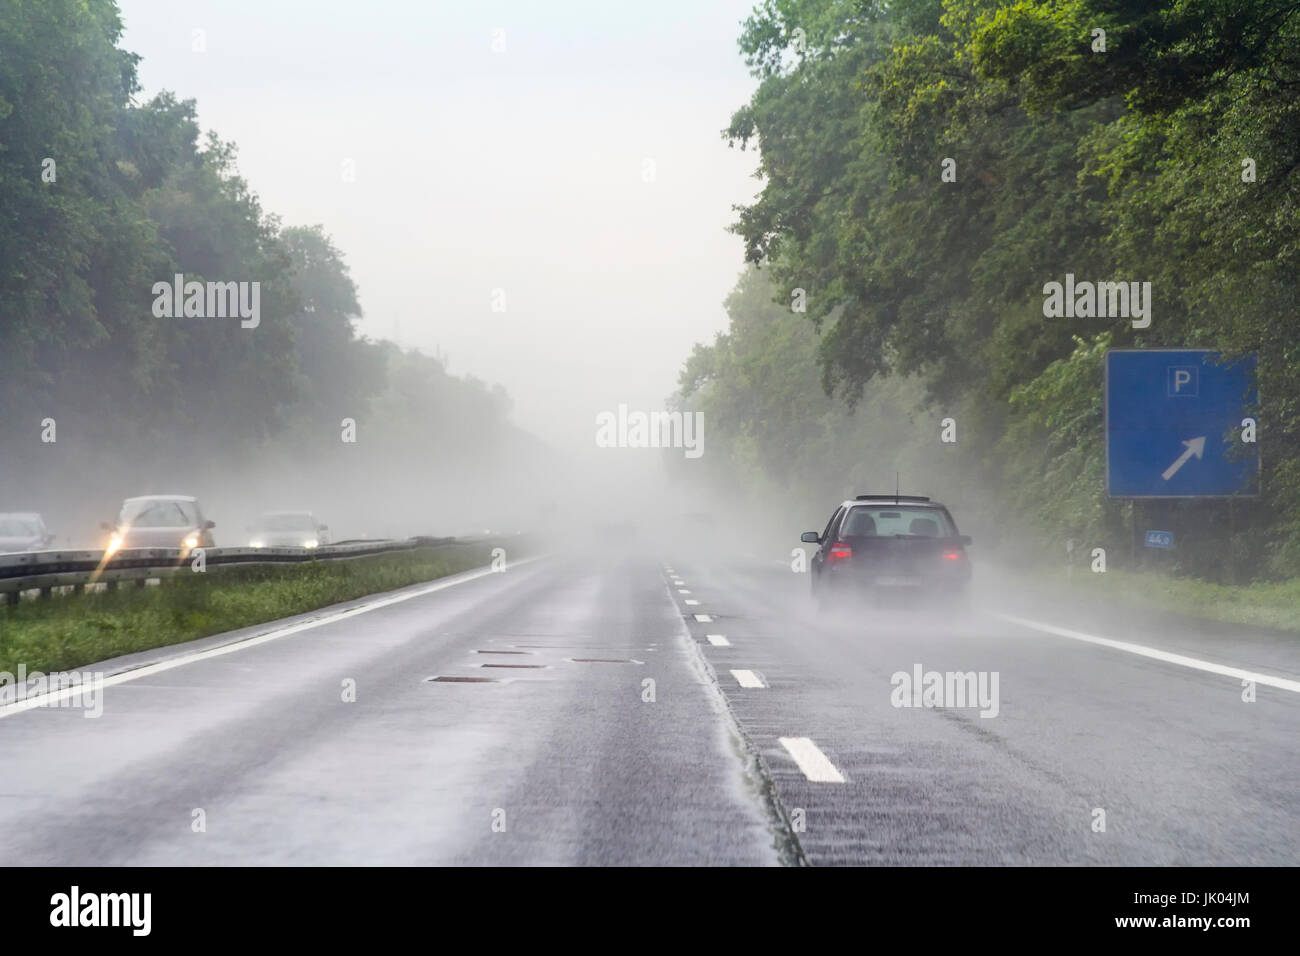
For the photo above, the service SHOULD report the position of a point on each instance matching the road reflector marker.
(814, 764)
(718, 640)
(747, 678)
(461, 680)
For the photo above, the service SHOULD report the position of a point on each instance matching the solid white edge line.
(718, 640)
(45, 700)
(747, 678)
(814, 764)
(1268, 680)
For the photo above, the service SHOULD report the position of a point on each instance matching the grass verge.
(1272, 605)
(60, 633)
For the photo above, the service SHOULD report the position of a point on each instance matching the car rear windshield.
(287, 522)
(160, 514)
(889, 520)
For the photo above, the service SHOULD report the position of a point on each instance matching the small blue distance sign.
(1160, 539)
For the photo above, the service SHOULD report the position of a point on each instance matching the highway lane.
(560, 752)
(1185, 771)
(565, 758)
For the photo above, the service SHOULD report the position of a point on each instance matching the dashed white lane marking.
(718, 640)
(747, 679)
(1142, 650)
(692, 601)
(814, 764)
(703, 618)
(50, 699)
(683, 591)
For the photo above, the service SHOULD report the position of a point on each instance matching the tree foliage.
(1130, 162)
(101, 197)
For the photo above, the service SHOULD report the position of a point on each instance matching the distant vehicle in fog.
(288, 529)
(23, 531)
(620, 529)
(887, 548)
(160, 521)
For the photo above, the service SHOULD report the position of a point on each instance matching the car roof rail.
(891, 497)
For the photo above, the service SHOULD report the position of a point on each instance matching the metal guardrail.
(43, 570)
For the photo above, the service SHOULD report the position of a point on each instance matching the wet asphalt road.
(1185, 770)
(604, 725)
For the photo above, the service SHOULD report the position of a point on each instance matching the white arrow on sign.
(1195, 446)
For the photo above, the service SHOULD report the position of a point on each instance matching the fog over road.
(570, 755)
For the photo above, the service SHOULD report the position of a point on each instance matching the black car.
(902, 549)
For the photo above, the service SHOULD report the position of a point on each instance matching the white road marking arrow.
(1195, 446)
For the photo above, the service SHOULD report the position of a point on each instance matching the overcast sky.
(523, 170)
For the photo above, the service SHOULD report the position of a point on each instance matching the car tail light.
(839, 552)
(953, 556)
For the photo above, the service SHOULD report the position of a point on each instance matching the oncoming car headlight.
(192, 541)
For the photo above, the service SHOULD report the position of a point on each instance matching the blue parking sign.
(1173, 417)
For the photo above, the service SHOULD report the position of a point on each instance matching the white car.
(160, 521)
(288, 529)
(23, 531)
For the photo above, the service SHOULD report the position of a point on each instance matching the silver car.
(23, 531)
(160, 521)
(288, 529)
